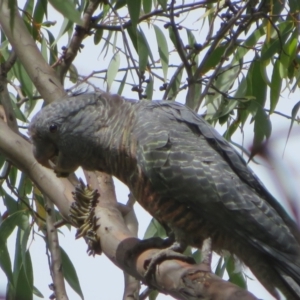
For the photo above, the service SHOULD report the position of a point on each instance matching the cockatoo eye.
(53, 128)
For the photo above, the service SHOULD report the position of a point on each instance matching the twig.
(127, 49)
(24, 201)
(25, 99)
(157, 12)
(77, 38)
(179, 45)
(56, 263)
(4, 95)
(43, 77)
(222, 32)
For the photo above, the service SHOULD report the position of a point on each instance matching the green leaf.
(39, 11)
(172, 36)
(193, 96)
(13, 175)
(270, 48)
(216, 101)
(134, 7)
(153, 295)
(12, 4)
(149, 88)
(24, 289)
(276, 82)
(119, 4)
(18, 112)
(37, 292)
(24, 281)
(142, 51)
(197, 256)
(122, 84)
(68, 10)
(294, 114)
(10, 203)
(248, 44)
(287, 56)
(9, 224)
(132, 32)
(256, 87)
(70, 273)
(23, 77)
(28, 7)
(107, 43)
(192, 42)
(221, 267)
(98, 36)
(174, 85)
(5, 263)
(233, 103)
(154, 230)
(214, 59)
(235, 276)
(26, 259)
(25, 185)
(163, 3)
(112, 70)
(262, 130)
(191, 38)
(294, 5)
(147, 5)
(4, 47)
(73, 73)
(147, 45)
(53, 49)
(162, 50)
(66, 25)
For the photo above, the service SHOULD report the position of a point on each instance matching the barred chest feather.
(187, 226)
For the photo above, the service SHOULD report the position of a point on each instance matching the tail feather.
(292, 284)
(278, 270)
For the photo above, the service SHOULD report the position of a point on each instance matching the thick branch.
(177, 278)
(174, 277)
(42, 76)
(19, 152)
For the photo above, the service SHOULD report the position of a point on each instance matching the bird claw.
(172, 252)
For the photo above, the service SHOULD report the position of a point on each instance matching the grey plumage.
(180, 170)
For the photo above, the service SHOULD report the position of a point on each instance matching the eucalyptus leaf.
(112, 70)
(162, 50)
(68, 10)
(70, 273)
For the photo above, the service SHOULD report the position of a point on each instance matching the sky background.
(97, 275)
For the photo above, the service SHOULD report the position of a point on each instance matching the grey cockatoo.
(181, 171)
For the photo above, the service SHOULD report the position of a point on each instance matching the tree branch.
(53, 244)
(186, 281)
(58, 190)
(220, 35)
(119, 244)
(78, 36)
(4, 95)
(42, 76)
(157, 12)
